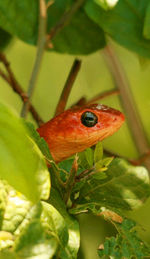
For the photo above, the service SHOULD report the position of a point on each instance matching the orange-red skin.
(66, 135)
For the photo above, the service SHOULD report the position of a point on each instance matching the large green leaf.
(124, 23)
(41, 234)
(15, 209)
(125, 187)
(35, 244)
(20, 18)
(70, 251)
(42, 144)
(80, 36)
(21, 162)
(31, 231)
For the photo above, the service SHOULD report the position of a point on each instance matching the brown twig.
(110, 153)
(103, 95)
(66, 17)
(39, 55)
(11, 80)
(128, 103)
(68, 86)
(49, 3)
(83, 102)
(71, 179)
(141, 160)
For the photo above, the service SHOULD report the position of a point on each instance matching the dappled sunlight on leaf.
(125, 188)
(21, 161)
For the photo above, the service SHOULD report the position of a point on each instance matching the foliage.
(126, 244)
(45, 228)
(88, 28)
(38, 215)
(16, 148)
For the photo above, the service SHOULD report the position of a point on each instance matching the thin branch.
(4, 76)
(110, 153)
(128, 102)
(65, 19)
(5, 62)
(71, 179)
(68, 86)
(142, 159)
(11, 80)
(139, 161)
(40, 51)
(49, 4)
(83, 102)
(103, 95)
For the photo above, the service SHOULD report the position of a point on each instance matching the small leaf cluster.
(37, 215)
(86, 31)
(126, 244)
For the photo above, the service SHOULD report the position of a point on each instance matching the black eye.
(89, 119)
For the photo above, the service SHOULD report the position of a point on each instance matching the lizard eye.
(89, 119)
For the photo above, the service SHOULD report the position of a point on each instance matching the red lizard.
(76, 129)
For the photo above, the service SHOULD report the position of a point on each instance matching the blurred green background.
(94, 77)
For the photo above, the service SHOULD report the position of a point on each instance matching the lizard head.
(76, 129)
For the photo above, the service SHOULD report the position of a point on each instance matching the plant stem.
(40, 51)
(68, 86)
(12, 81)
(133, 117)
(83, 102)
(103, 95)
(71, 179)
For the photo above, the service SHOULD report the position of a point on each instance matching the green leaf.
(42, 144)
(146, 28)
(71, 250)
(42, 234)
(102, 165)
(35, 243)
(99, 175)
(89, 154)
(98, 152)
(107, 160)
(126, 18)
(50, 218)
(128, 186)
(33, 231)
(106, 4)
(126, 244)
(21, 162)
(86, 158)
(82, 160)
(80, 36)
(5, 39)
(15, 208)
(20, 19)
